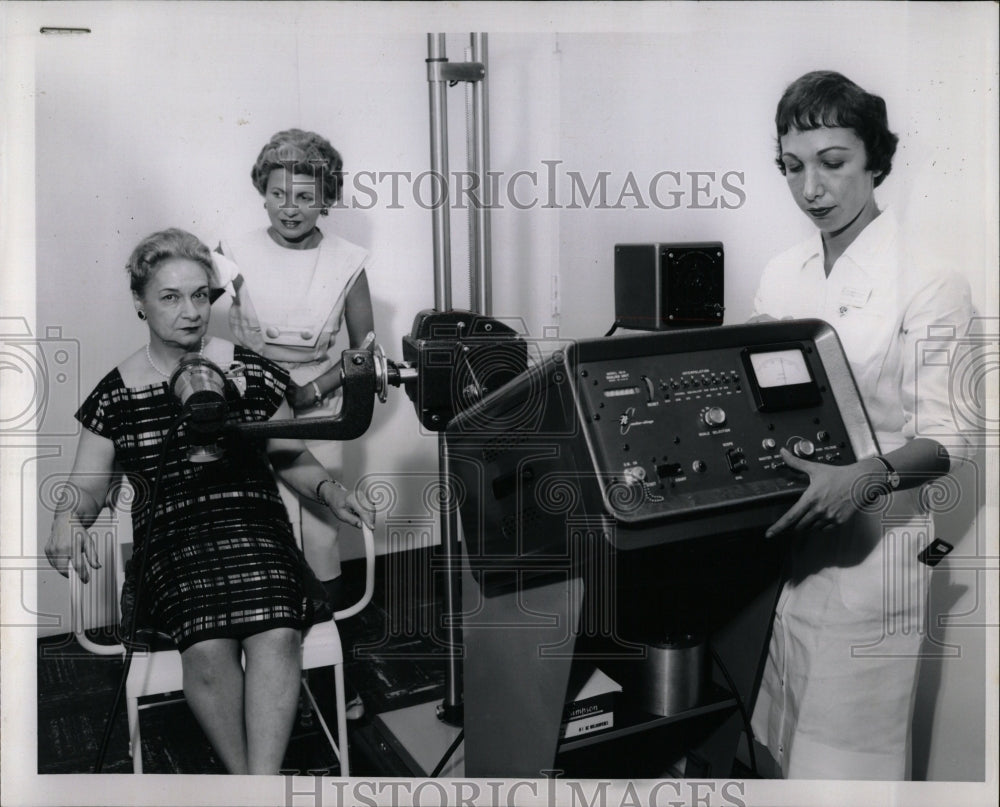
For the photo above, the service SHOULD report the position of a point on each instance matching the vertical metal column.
(440, 212)
(450, 710)
(439, 74)
(481, 290)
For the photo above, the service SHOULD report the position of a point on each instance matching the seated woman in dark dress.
(224, 576)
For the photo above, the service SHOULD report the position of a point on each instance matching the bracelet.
(891, 476)
(322, 482)
(317, 395)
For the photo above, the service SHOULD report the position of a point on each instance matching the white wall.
(142, 126)
(700, 95)
(154, 119)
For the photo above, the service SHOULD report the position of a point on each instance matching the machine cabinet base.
(521, 645)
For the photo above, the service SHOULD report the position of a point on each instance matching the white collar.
(865, 251)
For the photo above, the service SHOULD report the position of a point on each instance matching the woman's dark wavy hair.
(161, 246)
(301, 153)
(826, 98)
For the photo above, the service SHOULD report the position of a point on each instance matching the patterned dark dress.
(224, 561)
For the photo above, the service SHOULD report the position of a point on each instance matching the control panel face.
(700, 431)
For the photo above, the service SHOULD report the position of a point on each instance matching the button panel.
(685, 430)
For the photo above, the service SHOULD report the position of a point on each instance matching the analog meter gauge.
(780, 378)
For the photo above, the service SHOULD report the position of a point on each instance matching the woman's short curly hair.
(161, 246)
(826, 98)
(301, 152)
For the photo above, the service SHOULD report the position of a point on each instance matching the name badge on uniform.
(853, 297)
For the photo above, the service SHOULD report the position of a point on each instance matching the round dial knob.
(635, 475)
(804, 448)
(716, 416)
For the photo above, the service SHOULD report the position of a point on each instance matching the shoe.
(355, 708)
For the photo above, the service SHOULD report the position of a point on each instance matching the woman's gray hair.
(161, 246)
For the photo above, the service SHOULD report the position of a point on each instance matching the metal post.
(438, 88)
(439, 73)
(479, 221)
(451, 709)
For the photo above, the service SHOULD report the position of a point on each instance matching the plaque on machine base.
(590, 706)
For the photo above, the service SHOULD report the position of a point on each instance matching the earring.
(141, 314)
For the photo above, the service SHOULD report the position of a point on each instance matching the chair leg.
(134, 740)
(339, 745)
(338, 679)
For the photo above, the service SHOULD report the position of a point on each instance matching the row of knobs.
(715, 416)
(802, 447)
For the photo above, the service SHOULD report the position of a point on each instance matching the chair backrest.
(369, 538)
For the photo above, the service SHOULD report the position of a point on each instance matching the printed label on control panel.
(625, 422)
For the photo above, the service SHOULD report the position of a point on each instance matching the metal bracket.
(355, 413)
(443, 70)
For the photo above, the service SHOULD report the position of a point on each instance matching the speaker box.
(662, 286)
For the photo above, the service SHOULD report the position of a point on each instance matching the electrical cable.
(130, 628)
(743, 711)
(447, 754)
(613, 329)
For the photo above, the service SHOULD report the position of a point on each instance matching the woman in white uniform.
(837, 692)
(294, 287)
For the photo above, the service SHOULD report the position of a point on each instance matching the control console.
(694, 432)
(653, 438)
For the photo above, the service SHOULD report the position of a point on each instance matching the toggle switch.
(737, 460)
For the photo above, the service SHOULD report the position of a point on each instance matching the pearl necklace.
(149, 357)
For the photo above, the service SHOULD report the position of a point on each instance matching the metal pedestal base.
(420, 739)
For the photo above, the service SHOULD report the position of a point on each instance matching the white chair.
(159, 672)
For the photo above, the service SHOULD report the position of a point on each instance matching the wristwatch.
(891, 477)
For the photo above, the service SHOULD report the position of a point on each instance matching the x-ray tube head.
(199, 385)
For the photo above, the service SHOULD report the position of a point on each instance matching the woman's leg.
(272, 682)
(213, 686)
